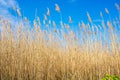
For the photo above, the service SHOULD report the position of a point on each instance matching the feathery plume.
(34, 22)
(49, 22)
(25, 19)
(79, 25)
(67, 26)
(103, 24)
(83, 25)
(101, 15)
(54, 24)
(117, 6)
(106, 10)
(38, 20)
(57, 8)
(89, 18)
(18, 12)
(70, 19)
(48, 11)
(109, 25)
(61, 23)
(45, 17)
(44, 22)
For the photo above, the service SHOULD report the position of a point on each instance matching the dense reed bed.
(52, 53)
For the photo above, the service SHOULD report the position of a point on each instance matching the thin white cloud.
(8, 11)
(5, 6)
(9, 3)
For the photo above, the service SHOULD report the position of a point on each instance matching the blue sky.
(75, 8)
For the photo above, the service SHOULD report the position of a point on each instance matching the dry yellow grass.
(58, 55)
